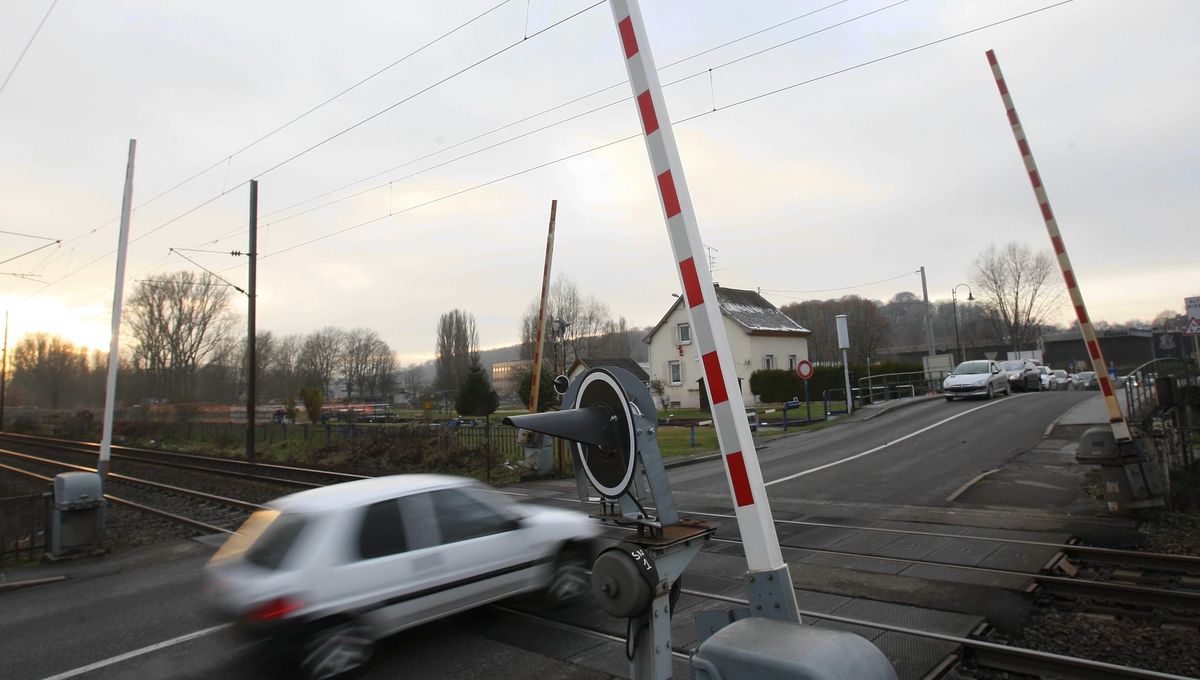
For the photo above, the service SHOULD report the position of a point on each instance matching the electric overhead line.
(321, 143)
(229, 157)
(241, 230)
(680, 121)
(21, 56)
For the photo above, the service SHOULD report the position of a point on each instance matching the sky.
(403, 174)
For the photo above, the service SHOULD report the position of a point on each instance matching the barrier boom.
(1115, 418)
(725, 396)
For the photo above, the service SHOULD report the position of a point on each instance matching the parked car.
(1046, 376)
(1022, 375)
(1087, 380)
(1061, 379)
(979, 378)
(323, 574)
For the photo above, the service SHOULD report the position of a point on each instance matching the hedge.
(776, 385)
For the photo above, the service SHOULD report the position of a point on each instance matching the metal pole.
(849, 394)
(1115, 418)
(957, 338)
(534, 384)
(114, 342)
(928, 313)
(742, 470)
(4, 370)
(251, 344)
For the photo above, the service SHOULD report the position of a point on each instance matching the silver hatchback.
(979, 378)
(323, 574)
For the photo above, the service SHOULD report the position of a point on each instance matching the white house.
(760, 336)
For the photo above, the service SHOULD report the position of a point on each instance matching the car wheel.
(335, 651)
(991, 393)
(1007, 390)
(570, 579)
(949, 398)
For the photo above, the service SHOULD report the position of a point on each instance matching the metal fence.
(1163, 399)
(24, 527)
(885, 386)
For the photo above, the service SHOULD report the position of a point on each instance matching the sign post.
(804, 369)
(843, 333)
(1192, 305)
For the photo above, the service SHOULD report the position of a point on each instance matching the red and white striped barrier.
(729, 411)
(1116, 418)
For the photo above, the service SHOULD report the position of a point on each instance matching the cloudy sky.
(427, 187)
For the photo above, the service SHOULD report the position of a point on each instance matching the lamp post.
(954, 301)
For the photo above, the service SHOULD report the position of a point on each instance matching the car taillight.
(273, 610)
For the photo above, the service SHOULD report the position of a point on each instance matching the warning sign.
(1193, 312)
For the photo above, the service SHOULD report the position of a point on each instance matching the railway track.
(1073, 559)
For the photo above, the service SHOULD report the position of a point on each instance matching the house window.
(684, 333)
(768, 361)
(674, 373)
(793, 360)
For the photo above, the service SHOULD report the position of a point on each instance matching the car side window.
(461, 517)
(382, 531)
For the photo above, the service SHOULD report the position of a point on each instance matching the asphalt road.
(916, 456)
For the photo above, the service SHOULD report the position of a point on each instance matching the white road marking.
(881, 447)
(135, 653)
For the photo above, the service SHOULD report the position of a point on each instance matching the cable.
(677, 122)
(210, 272)
(418, 93)
(241, 230)
(30, 252)
(229, 158)
(828, 290)
(27, 45)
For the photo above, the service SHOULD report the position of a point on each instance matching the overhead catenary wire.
(676, 122)
(330, 138)
(228, 158)
(210, 272)
(21, 56)
(240, 230)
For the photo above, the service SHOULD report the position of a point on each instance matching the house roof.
(625, 363)
(748, 310)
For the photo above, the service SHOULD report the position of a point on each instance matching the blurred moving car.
(979, 378)
(1061, 380)
(1022, 375)
(322, 574)
(1087, 380)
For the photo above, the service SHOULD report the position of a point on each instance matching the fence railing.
(1161, 398)
(24, 527)
(884, 386)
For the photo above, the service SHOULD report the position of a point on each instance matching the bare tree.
(47, 367)
(320, 355)
(412, 380)
(867, 325)
(576, 326)
(368, 366)
(283, 370)
(177, 321)
(457, 342)
(1019, 286)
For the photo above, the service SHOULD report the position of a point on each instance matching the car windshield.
(1087, 375)
(1060, 374)
(263, 539)
(971, 368)
(1012, 365)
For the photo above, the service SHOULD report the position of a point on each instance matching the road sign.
(804, 369)
(1193, 313)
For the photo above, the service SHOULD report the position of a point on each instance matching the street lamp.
(954, 300)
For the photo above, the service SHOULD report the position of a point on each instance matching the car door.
(487, 553)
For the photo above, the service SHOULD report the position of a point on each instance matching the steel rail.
(193, 456)
(137, 506)
(224, 500)
(994, 655)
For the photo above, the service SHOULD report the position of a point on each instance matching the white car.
(979, 378)
(324, 573)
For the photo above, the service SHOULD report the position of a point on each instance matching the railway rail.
(982, 652)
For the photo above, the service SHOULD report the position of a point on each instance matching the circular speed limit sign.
(804, 369)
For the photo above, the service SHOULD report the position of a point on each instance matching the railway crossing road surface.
(960, 469)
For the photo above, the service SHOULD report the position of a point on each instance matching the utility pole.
(251, 355)
(114, 342)
(540, 335)
(928, 313)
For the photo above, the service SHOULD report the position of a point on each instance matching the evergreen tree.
(475, 395)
